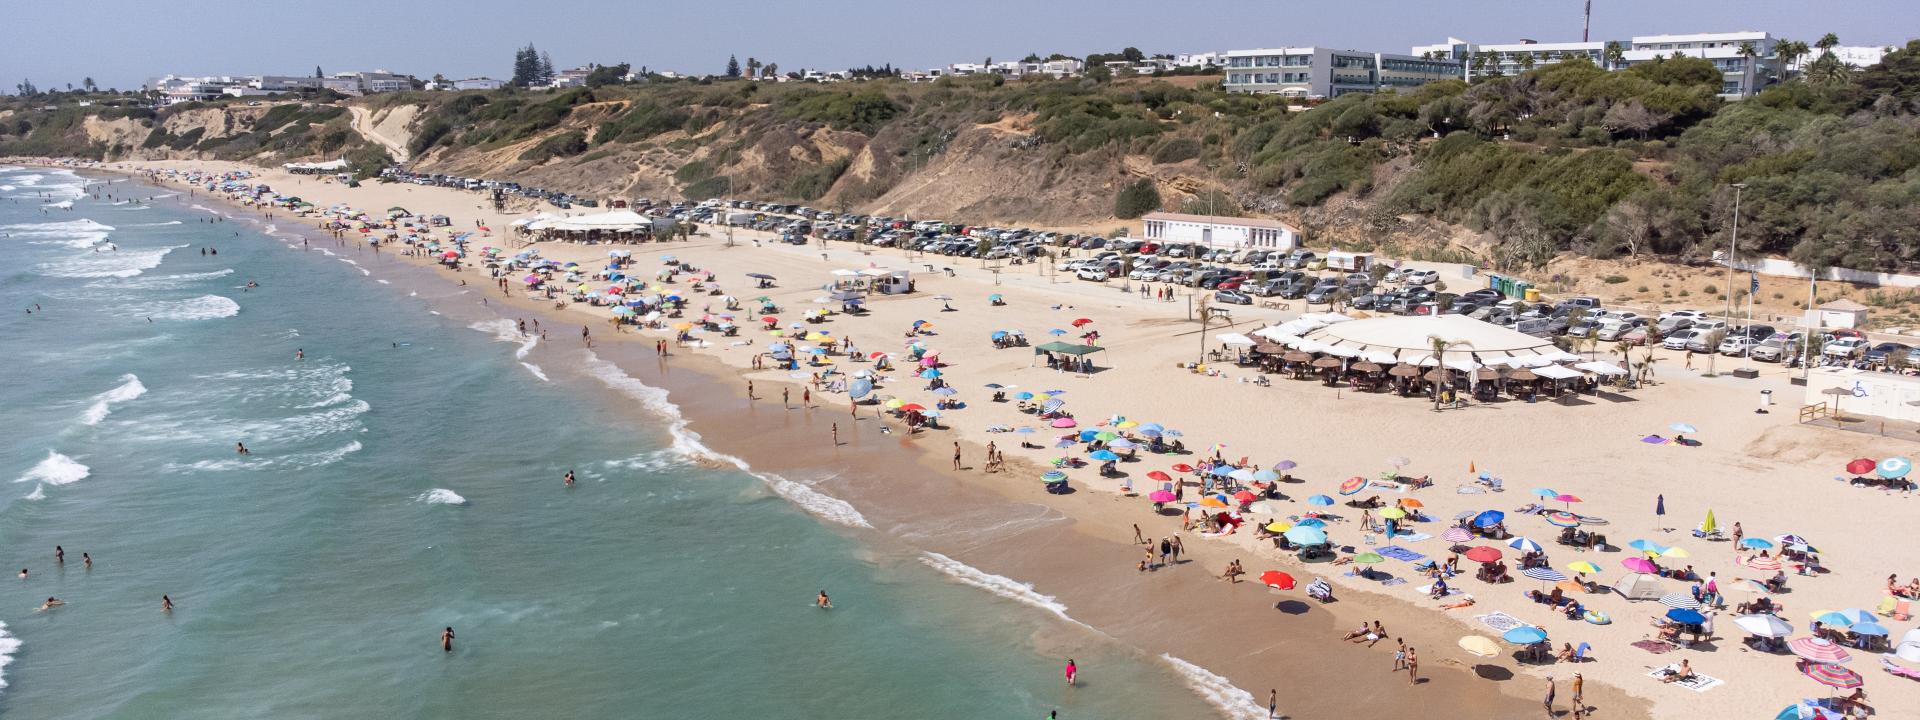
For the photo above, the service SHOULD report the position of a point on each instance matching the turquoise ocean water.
(313, 576)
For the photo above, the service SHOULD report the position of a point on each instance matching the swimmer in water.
(446, 640)
(51, 603)
(569, 478)
(241, 448)
(23, 573)
(166, 604)
(823, 602)
(300, 353)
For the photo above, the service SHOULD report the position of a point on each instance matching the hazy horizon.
(125, 43)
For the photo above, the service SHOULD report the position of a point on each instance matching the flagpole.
(1753, 286)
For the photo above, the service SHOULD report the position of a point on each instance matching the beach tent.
(1600, 367)
(1235, 339)
(615, 221)
(1410, 338)
(1909, 647)
(1638, 586)
(1066, 349)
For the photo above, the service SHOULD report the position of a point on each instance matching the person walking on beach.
(1579, 697)
(1166, 550)
(1689, 359)
(446, 639)
(1549, 699)
(1179, 548)
(1273, 703)
(1073, 671)
(785, 395)
(750, 390)
(956, 455)
(836, 434)
(1400, 655)
(1413, 667)
(1137, 537)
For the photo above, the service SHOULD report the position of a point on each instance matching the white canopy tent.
(615, 221)
(1601, 367)
(1410, 339)
(1235, 339)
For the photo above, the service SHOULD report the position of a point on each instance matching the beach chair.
(1895, 608)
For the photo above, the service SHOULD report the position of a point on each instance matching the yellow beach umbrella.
(1126, 424)
(816, 336)
(1709, 526)
(1278, 527)
(1481, 646)
(895, 404)
(1583, 566)
(1393, 513)
(777, 333)
(1675, 552)
(683, 327)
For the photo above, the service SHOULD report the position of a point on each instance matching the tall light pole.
(1733, 249)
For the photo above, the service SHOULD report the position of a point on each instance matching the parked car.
(1736, 345)
(1701, 342)
(1234, 297)
(1615, 328)
(1880, 353)
(1680, 340)
(1300, 258)
(1845, 348)
(1420, 277)
(1777, 348)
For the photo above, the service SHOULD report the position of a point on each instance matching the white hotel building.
(1316, 72)
(1741, 76)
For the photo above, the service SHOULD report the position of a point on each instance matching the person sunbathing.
(1358, 634)
(1565, 654)
(1457, 604)
(1684, 672)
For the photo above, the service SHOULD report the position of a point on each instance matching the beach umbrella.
(1861, 466)
(1122, 443)
(946, 391)
(1024, 430)
(1312, 522)
(1063, 422)
(1056, 332)
(1807, 711)
(1456, 535)
(1639, 565)
(1524, 545)
(1479, 645)
(1546, 492)
(1489, 518)
(994, 297)
(1819, 650)
(1241, 474)
(1161, 496)
(1832, 676)
(1278, 527)
(1160, 476)
(1754, 543)
(1220, 471)
(913, 407)
(1266, 476)
(1285, 465)
(1276, 580)
(1483, 554)
(1214, 501)
(1544, 574)
(1894, 467)
(1245, 496)
(895, 404)
(1686, 616)
(1751, 587)
(1683, 428)
(1563, 519)
(930, 373)
(1353, 485)
(1103, 455)
(1660, 505)
(1053, 476)
(1102, 436)
(1082, 322)
(1646, 546)
(1368, 558)
(1832, 617)
(1675, 552)
(859, 388)
(1680, 600)
(1525, 635)
(1764, 625)
(1870, 628)
(1320, 500)
(1306, 535)
(1582, 566)
(1023, 395)
(1393, 513)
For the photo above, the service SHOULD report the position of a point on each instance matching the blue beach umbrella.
(1524, 545)
(946, 392)
(1153, 433)
(1023, 430)
(995, 386)
(1683, 428)
(1053, 476)
(1320, 500)
(930, 373)
(1686, 616)
(1489, 518)
(1056, 332)
(997, 334)
(1869, 628)
(1893, 467)
(1023, 395)
(1064, 443)
(1087, 434)
(859, 388)
(1311, 522)
(1122, 443)
(1156, 427)
(1103, 455)
(1546, 492)
(1647, 546)
(1306, 535)
(1754, 543)
(1220, 471)
(1833, 618)
(1525, 635)
(1266, 476)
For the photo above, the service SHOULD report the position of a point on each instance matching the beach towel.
(1699, 682)
(1393, 581)
(1410, 536)
(1400, 553)
(1653, 646)
(1469, 490)
(1427, 589)
(1499, 621)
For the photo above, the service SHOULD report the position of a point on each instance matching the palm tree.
(1827, 43)
(1646, 366)
(1526, 62)
(1440, 347)
(1748, 51)
(1615, 55)
(1625, 349)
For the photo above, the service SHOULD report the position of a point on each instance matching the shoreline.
(1095, 515)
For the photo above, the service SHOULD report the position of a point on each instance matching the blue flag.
(1755, 286)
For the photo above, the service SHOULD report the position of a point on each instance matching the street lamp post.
(1732, 249)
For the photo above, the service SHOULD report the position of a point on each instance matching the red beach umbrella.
(1861, 466)
(1245, 496)
(1183, 467)
(1276, 580)
(1161, 476)
(1082, 321)
(1483, 554)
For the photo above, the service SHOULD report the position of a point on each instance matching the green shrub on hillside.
(1137, 198)
(571, 142)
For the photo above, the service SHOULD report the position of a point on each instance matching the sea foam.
(9, 645)
(205, 307)
(1005, 587)
(129, 389)
(1231, 701)
(115, 264)
(57, 469)
(822, 505)
(440, 496)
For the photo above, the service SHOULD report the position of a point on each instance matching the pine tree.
(316, 72)
(526, 66)
(546, 68)
(733, 66)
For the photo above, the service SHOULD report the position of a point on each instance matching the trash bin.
(1533, 294)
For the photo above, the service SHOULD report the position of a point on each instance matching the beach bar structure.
(623, 226)
(1079, 364)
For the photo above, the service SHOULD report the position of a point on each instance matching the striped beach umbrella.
(1544, 574)
(1456, 535)
(1680, 600)
(1353, 485)
(1523, 545)
(1832, 676)
(1563, 519)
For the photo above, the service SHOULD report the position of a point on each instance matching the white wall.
(1872, 393)
(1788, 268)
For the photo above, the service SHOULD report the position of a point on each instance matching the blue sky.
(121, 43)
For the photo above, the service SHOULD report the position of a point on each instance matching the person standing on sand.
(1579, 697)
(806, 397)
(446, 639)
(1413, 667)
(786, 394)
(1689, 359)
(836, 434)
(1549, 700)
(1273, 703)
(956, 455)
(1179, 548)
(1073, 671)
(750, 390)
(1400, 655)
(1137, 537)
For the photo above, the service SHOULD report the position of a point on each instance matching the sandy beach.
(1764, 471)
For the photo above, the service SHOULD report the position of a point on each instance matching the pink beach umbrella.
(1639, 565)
(1064, 422)
(1160, 496)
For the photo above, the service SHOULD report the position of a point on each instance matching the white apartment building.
(1856, 56)
(1316, 72)
(1201, 60)
(1219, 232)
(1508, 59)
(1745, 59)
(479, 83)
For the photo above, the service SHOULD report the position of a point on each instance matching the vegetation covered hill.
(1563, 159)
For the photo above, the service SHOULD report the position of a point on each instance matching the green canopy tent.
(1077, 351)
